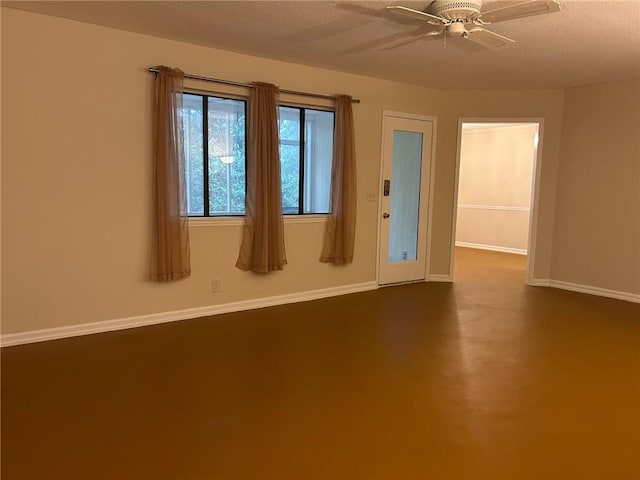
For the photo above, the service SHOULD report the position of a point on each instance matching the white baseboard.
(493, 248)
(163, 317)
(436, 277)
(574, 287)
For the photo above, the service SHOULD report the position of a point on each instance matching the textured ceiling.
(586, 42)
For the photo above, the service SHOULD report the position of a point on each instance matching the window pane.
(290, 174)
(226, 156)
(406, 166)
(193, 152)
(289, 122)
(317, 160)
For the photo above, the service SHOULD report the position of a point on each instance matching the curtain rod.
(248, 85)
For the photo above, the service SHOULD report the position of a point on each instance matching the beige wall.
(494, 186)
(77, 173)
(76, 105)
(597, 223)
(496, 105)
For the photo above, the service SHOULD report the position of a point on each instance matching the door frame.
(432, 169)
(535, 190)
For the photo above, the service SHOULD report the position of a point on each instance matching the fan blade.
(417, 15)
(432, 33)
(488, 39)
(524, 9)
(379, 42)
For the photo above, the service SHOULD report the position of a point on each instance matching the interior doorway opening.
(496, 184)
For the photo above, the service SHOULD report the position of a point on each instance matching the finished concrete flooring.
(482, 379)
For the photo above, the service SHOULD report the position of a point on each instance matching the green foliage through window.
(306, 152)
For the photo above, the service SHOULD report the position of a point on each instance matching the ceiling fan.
(465, 19)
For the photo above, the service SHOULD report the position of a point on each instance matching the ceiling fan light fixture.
(456, 29)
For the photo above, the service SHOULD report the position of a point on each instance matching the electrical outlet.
(371, 197)
(215, 286)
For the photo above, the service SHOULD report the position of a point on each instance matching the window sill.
(215, 221)
(315, 218)
(197, 222)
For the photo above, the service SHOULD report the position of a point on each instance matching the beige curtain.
(341, 223)
(262, 249)
(170, 252)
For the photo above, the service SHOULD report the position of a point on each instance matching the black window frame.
(301, 157)
(302, 143)
(206, 208)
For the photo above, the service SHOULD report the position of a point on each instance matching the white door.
(406, 168)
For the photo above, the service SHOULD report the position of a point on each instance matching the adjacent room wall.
(76, 174)
(494, 187)
(596, 240)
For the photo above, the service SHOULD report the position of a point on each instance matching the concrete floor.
(482, 379)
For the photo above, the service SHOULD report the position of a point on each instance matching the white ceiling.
(588, 41)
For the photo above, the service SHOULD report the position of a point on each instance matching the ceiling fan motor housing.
(457, 10)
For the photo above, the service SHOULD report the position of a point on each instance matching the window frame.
(204, 97)
(207, 219)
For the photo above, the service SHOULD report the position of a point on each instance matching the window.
(306, 151)
(217, 187)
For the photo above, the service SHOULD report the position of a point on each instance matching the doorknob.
(385, 215)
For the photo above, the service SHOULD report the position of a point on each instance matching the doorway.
(496, 183)
(405, 197)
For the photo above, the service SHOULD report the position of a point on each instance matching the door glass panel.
(405, 196)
